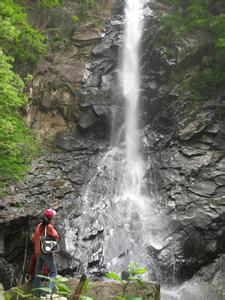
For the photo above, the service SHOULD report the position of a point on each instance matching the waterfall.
(118, 221)
(128, 204)
(130, 85)
(130, 78)
(118, 218)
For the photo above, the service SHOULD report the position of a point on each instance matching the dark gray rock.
(203, 188)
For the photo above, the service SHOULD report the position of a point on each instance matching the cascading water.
(129, 201)
(130, 86)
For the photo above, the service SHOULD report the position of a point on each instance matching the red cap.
(49, 213)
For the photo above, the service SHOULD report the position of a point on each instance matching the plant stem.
(125, 286)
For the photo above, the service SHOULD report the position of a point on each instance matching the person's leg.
(37, 281)
(50, 262)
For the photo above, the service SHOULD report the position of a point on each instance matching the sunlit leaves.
(112, 275)
(18, 38)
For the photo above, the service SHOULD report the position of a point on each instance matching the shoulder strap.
(45, 230)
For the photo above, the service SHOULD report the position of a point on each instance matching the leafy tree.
(16, 144)
(19, 43)
(50, 3)
(18, 38)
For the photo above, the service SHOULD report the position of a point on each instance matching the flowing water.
(124, 236)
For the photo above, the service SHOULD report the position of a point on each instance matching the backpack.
(48, 245)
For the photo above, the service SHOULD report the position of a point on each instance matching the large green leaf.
(63, 289)
(21, 293)
(112, 275)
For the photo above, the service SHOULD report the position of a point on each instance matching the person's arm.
(36, 234)
(52, 232)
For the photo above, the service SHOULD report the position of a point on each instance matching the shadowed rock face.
(189, 170)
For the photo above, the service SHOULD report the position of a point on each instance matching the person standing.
(44, 228)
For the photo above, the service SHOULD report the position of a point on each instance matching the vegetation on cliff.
(20, 44)
(204, 17)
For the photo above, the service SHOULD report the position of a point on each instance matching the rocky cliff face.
(55, 89)
(187, 146)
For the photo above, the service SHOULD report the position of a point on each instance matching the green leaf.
(75, 19)
(112, 275)
(63, 289)
(21, 293)
(43, 289)
(140, 271)
(60, 278)
(134, 269)
(7, 296)
(86, 283)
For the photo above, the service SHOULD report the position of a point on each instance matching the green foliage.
(112, 275)
(89, 3)
(18, 38)
(16, 143)
(134, 275)
(7, 296)
(21, 293)
(189, 17)
(59, 282)
(61, 288)
(134, 269)
(20, 43)
(75, 19)
(86, 284)
(50, 3)
(85, 6)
